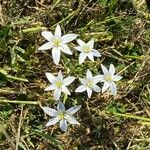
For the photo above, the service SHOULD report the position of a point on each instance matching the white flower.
(86, 50)
(61, 115)
(89, 84)
(58, 84)
(57, 42)
(108, 78)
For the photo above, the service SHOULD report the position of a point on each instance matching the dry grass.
(121, 30)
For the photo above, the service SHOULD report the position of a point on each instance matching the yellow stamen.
(58, 84)
(89, 84)
(108, 78)
(86, 49)
(56, 42)
(61, 115)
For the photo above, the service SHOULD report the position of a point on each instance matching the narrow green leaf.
(49, 137)
(18, 102)
(30, 30)
(19, 49)
(3, 71)
(13, 55)
(22, 146)
(131, 116)
(16, 78)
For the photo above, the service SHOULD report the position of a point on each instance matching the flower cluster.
(59, 84)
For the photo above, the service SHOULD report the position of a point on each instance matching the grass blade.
(49, 137)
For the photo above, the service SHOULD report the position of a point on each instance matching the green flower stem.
(131, 116)
(19, 102)
(65, 98)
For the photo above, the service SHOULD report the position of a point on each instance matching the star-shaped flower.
(61, 115)
(89, 84)
(108, 78)
(58, 84)
(57, 42)
(86, 50)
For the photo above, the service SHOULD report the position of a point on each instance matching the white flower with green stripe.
(62, 116)
(108, 78)
(57, 43)
(58, 84)
(89, 84)
(86, 50)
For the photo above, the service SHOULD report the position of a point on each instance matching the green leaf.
(50, 138)
(20, 58)
(22, 146)
(103, 2)
(4, 31)
(13, 56)
(19, 49)
(112, 4)
(3, 71)
(116, 107)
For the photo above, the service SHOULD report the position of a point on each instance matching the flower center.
(108, 78)
(89, 84)
(58, 84)
(86, 49)
(61, 115)
(56, 42)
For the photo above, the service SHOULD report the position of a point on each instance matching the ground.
(121, 30)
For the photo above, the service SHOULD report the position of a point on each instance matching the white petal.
(82, 57)
(71, 119)
(81, 43)
(90, 55)
(90, 43)
(112, 69)
(66, 49)
(60, 76)
(68, 80)
(96, 53)
(81, 88)
(89, 92)
(104, 69)
(45, 46)
(63, 125)
(101, 78)
(96, 79)
(78, 48)
(83, 81)
(56, 55)
(47, 35)
(57, 94)
(113, 88)
(68, 38)
(117, 78)
(52, 121)
(50, 77)
(73, 110)
(106, 85)
(60, 106)
(49, 88)
(58, 31)
(96, 88)
(89, 75)
(49, 111)
(65, 90)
